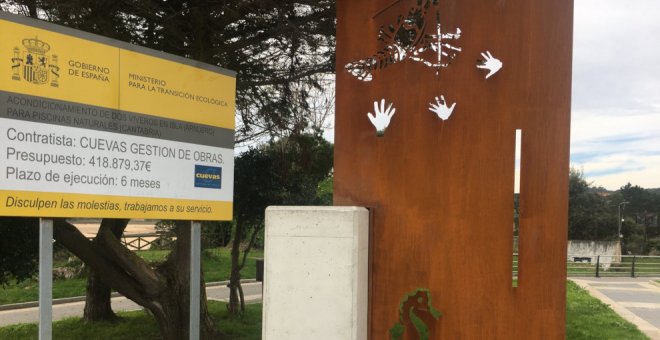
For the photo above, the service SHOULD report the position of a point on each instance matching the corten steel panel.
(441, 192)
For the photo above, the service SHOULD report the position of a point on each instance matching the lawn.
(29, 290)
(587, 319)
(649, 266)
(216, 263)
(140, 325)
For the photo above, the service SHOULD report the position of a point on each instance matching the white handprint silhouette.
(490, 63)
(382, 118)
(441, 109)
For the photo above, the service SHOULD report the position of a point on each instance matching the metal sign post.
(195, 250)
(45, 278)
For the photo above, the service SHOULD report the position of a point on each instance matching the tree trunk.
(164, 291)
(176, 301)
(98, 305)
(235, 276)
(97, 301)
(236, 296)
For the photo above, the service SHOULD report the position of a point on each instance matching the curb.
(60, 301)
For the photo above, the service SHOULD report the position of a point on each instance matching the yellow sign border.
(53, 206)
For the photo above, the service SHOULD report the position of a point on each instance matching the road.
(252, 292)
(635, 299)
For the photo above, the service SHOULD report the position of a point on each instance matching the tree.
(98, 293)
(283, 50)
(642, 222)
(324, 191)
(19, 248)
(161, 290)
(285, 172)
(590, 216)
(594, 214)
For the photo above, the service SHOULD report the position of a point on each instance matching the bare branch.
(132, 264)
(69, 236)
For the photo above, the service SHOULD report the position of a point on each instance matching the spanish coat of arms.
(34, 65)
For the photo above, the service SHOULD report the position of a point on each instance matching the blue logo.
(208, 177)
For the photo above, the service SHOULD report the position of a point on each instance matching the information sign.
(94, 127)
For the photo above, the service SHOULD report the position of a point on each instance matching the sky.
(615, 132)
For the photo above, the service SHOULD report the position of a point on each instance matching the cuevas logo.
(208, 177)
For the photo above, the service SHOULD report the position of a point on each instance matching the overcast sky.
(615, 133)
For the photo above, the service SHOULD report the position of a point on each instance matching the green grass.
(152, 256)
(644, 265)
(29, 290)
(216, 263)
(587, 318)
(140, 325)
(217, 266)
(573, 268)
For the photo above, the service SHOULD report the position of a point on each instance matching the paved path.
(252, 292)
(635, 299)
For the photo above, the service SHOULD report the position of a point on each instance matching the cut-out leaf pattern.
(410, 39)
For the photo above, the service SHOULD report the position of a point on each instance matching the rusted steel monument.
(430, 97)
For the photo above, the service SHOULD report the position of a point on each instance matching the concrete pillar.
(316, 273)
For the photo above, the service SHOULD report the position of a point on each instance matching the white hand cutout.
(441, 108)
(490, 63)
(382, 118)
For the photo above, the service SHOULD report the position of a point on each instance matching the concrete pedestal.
(316, 273)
